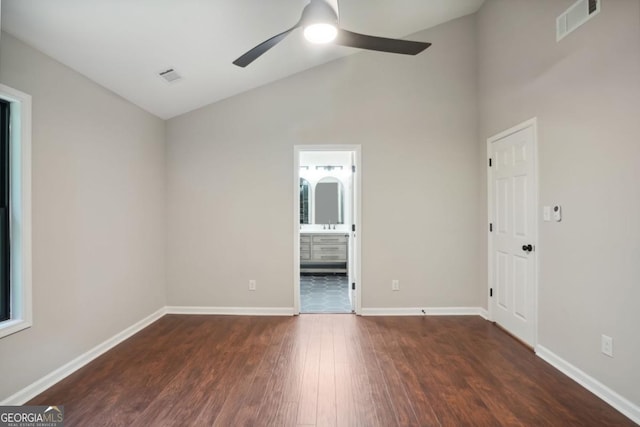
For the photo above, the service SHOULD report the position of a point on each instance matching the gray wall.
(98, 216)
(585, 92)
(230, 179)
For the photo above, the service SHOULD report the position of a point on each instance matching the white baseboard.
(428, 311)
(236, 311)
(31, 391)
(626, 407)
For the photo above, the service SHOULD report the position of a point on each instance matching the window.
(15, 211)
(5, 241)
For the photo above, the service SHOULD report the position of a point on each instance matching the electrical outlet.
(607, 345)
(252, 285)
(395, 285)
(557, 213)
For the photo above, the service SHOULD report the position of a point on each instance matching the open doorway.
(326, 219)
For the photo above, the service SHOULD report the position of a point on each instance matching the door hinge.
(490, 162)
(491, 292)
(353, 286)
(490, 227)
(353, 168)
(353, 228)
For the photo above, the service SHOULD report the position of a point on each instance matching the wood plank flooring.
(324, 370)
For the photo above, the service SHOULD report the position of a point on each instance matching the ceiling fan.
(320, 22)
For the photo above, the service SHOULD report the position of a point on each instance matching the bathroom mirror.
(304, 201)
(329, 201)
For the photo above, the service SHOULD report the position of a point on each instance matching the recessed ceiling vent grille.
(170, 75)
(575, 16)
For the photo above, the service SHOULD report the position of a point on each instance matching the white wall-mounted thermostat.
(557, 213)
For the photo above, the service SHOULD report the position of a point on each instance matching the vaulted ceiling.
(124, 44)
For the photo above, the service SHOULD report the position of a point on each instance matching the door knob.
(527, 248)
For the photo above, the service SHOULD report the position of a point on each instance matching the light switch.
(546, 213)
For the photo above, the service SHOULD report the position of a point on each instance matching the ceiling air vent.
(170, 75)
(575, 16)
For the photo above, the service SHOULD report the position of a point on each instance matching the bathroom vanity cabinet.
(324, 252)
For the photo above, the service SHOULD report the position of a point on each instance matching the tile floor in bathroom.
(324, 293)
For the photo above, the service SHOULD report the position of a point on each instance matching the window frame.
(19, 211)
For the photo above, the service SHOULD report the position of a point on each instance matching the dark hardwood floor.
(324, 370)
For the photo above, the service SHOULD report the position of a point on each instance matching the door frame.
(357, 209)
(533, 124)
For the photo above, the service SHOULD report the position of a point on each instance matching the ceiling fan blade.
(257, 51)
(382, 44)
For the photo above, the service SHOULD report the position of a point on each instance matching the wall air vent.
(575, 16)
(170, 75)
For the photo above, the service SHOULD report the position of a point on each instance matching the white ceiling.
(123, 44)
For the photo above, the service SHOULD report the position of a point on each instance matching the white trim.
(359, 227)
(489, 235)
(533, 124)
(296, 230)
(67, 369)
(357, 149)
(235, 311)
(21, 305)
(428, 311)
(623, 405)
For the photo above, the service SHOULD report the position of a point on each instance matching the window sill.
(12, 326)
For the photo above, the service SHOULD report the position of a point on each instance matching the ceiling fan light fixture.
(320, 22)
(320, 33)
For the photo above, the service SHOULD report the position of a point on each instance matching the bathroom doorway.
(326, 229)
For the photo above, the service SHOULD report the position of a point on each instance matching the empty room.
(320, 213)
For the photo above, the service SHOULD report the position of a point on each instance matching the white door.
(513, 208)
(352, 235)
